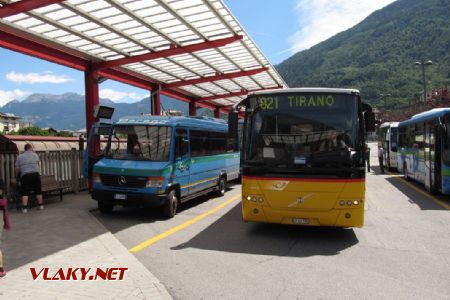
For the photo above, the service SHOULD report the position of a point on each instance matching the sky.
(280, 28)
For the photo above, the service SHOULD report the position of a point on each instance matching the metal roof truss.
(195, 50)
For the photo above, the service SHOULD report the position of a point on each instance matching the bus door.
(181, 170)
(428, 160)
(387, 153)
(394, 147)
(95, 146)
(438, 144)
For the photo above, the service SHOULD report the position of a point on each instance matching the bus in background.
(302, 159)
(424, 149)
(388, 138)
(163, 161)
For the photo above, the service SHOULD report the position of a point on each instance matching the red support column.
(92, 98)
(217, 113)
(156, 102)
(192, 108)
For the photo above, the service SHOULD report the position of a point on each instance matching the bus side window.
(181, 143)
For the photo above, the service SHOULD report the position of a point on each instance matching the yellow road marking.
(436, 200)
(175, 229)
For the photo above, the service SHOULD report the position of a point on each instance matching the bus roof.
(307, 90)
(197, 122)
(426, 116)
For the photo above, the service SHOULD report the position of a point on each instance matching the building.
(9, 122)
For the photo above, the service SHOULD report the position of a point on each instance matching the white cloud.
(6, 96)
(30, 78)
(322, 19)
(117, 96)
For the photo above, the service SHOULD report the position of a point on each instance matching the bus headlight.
(356, 202)
(252, 198)
(155, 181)
(96, 177)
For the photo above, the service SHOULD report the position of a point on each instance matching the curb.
(146, 280)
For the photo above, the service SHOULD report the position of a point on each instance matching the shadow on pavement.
(230, 234)
(37, 234)
(122, 218)
(424, 202)
(377, 170)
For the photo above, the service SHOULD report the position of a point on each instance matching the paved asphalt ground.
(402, 252)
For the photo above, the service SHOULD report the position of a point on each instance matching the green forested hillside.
(377, 56)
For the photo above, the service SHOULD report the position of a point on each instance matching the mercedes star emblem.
(121, 180)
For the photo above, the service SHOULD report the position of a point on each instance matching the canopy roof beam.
(40, 49)
(128, 12)
(154, 29)
(146, 45)
(197, 32)
(176, 50)
(234, 94)
(215, 78)
(23, 6)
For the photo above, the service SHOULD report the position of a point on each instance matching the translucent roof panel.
(107, 30)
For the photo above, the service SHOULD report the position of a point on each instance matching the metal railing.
(66, 166)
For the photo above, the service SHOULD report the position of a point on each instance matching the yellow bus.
(302, 159)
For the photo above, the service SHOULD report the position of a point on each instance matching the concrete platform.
(66, 235)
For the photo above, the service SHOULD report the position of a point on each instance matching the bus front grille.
(124, 181)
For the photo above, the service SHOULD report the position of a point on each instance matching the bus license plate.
(120, 196)
(300, 221)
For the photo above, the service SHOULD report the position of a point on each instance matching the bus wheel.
(221, 187)
(105, 207)
(171, 205)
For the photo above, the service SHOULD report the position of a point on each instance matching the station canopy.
(194, 50)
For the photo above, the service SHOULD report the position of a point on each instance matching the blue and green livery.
(164, 161)
(424, 149)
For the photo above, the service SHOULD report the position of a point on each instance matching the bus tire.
(105, 207)
(405, 172)
(170, 206)
(221, 186)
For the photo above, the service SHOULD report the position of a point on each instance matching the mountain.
(377, 56)
(67, 111)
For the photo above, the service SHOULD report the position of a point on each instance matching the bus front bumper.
(334, 218)
(129, 198)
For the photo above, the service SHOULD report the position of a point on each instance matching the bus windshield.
(140, 142)
(302, 131)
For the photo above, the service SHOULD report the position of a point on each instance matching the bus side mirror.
(369, 118)
(442, 125)
(233, 118)
(233, 124)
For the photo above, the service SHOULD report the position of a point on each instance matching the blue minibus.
(424, 149)
(163, 161)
